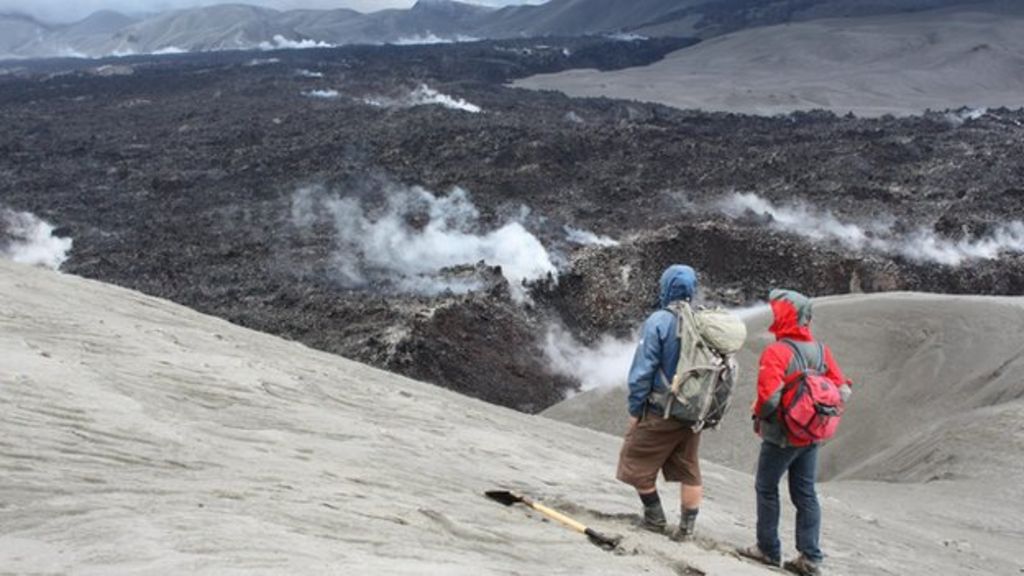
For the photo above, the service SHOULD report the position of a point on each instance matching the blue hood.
(678, 282)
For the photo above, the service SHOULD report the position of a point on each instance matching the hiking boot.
(803, 566)
(687, 526)
(654, 519)
(682, 534)
(755, 553)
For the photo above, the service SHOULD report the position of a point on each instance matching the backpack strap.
(802, 365)
(801, 362)
(677, 310)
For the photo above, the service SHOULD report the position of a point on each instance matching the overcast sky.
(70, 10)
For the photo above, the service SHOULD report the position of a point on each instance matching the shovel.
(508, 498)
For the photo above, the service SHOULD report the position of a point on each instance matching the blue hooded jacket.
(658, 349)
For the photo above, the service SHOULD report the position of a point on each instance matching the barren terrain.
(361, 200)
(142, 437)
(970, 56)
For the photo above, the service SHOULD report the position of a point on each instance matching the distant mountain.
(238, 26)
(574, 17)
(221, 27)
(328, 26)
(17, 31)
(427, 19)
(702, 18)
(102, 22)
(89, 37)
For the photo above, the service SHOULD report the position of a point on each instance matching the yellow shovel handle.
(554, 514)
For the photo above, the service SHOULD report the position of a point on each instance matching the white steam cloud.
(416, 238)
(29, 240)
(958, 117)
(323, 94)
(430, 38)
(262, 61)
(278, 42)
(803, 220)
(122, 52)
(587, 238)
(169, 50)
(626, 37)
(604, 365)
(925, 245)
(424, 95)
(747, 312)
(922, 245)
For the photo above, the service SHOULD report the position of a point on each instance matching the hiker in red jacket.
(794, 349)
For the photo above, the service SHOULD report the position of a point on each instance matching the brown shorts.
(660, 444)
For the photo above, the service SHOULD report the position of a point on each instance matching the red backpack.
(811, 404)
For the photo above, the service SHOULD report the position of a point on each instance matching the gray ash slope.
(892, 64)
(177, 176)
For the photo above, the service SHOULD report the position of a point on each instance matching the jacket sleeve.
(770, 374)
(646, 363)
(833, 372)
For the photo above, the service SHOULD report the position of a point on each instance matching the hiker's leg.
(689, 509)
(771, 465)
(643, 453)
(691, 496)
(645, 449)
(654, 514)
(803, 473)
(684, 467)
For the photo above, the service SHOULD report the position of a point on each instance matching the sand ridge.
(141, 437)
(935, 430)
(897, 64)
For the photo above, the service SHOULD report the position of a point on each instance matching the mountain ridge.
(242, 26)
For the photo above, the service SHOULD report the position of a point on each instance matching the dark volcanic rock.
(481, 349)
(608, 289)
(179, 180)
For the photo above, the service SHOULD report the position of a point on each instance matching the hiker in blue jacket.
(653, 442)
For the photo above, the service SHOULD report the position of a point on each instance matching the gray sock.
(688, 519)
(651, 499)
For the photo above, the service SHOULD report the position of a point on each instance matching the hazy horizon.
(58, 11)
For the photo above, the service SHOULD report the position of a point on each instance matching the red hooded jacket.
(774, 365)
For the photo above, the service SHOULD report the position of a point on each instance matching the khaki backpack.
(700, 391)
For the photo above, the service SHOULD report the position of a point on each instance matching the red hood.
(786, 324)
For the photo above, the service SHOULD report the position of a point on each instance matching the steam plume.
(424, 95)
(604, 365)
(415, 236)
(922, 245)
(30, 240)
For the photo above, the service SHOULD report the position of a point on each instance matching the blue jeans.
(802, 465)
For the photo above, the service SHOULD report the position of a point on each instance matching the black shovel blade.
(504, 496)
(608, 543)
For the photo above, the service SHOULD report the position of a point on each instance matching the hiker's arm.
(646, 362)
(771, 371)
(835, 374)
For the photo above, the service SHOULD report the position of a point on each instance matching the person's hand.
(633, 423)
(845, 392)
